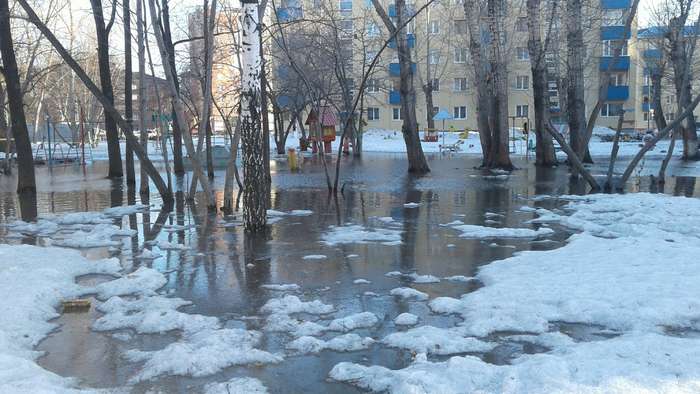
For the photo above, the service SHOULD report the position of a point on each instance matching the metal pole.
(82, 136)
(48, 136)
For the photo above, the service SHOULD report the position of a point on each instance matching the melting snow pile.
(354, 233)
(475, 231)
(634, 269)
(80, 229)
(33, 282)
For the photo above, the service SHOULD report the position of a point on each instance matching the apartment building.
(438, 41)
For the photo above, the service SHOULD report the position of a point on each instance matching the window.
(435, 111)
(647, 80)
(460, 55)
(372, 30)
(346, 25)
(610, 109)
(522, 53)
(460, 84)
(522, 82)
(521, 111)
(609, 47)
(345, 5)
(460, 26)
(521, 24)
(372, 86)
(436, 85)
(614, 17)
(369, 56)
(372, 113)
(552, 86)
(646, 116)
(396, 113)
(434, 27)
(460, 112)
(434, 56)
(617, 79)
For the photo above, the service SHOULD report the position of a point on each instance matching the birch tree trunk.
(544, 150)
(128, 109)
(254, 178)
(113, 150)
(25, 162)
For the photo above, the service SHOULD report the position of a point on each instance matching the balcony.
(618, 93)
(410, 38)
(614, 4)
(409, 10)
(613, 33)
(621, 64)
(395, 69)
(394, 97)
(646, 107)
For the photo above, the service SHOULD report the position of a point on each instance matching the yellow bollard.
(292, 157)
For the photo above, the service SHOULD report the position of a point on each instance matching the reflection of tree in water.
(685, 186)
(410, 218)
(256, 260)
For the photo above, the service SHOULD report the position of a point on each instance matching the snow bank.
(143, 281)
(33, 282)
(354, 233)
(633, 271)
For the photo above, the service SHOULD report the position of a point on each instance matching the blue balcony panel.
(613, 33)
(621, 64)
(554, 110)
(646, 107)
(395, 69)
(410, 38)
(346, 5)
(618, 93)
(392, 10)
(394, 97)
(615, 4)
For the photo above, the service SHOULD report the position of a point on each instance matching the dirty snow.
(476, 231)
(342, 343)
(354, 321)
(408, 293)
(236, 386)
(406, 319)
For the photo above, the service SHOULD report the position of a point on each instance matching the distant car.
(648, 136)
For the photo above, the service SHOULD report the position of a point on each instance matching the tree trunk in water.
(142, 91)
(25, 163)
(264, 115)
(416, 159)
(179, 109)
(500, 154)
(210, 158)
(576, 105)
(231, 170)
(178, 166)
(113, 150)
(687, 129)
(544, 150)
(254, 174)
(128, 109)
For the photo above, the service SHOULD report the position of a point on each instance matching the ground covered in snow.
(629, 280)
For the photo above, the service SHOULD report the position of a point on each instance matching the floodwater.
(216, 277)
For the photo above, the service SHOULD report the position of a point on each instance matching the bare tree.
(102, 30)
(544, 150)
(416, 158)
(128, 103)
(25, 162)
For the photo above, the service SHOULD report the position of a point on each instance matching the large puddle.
(223, 271)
